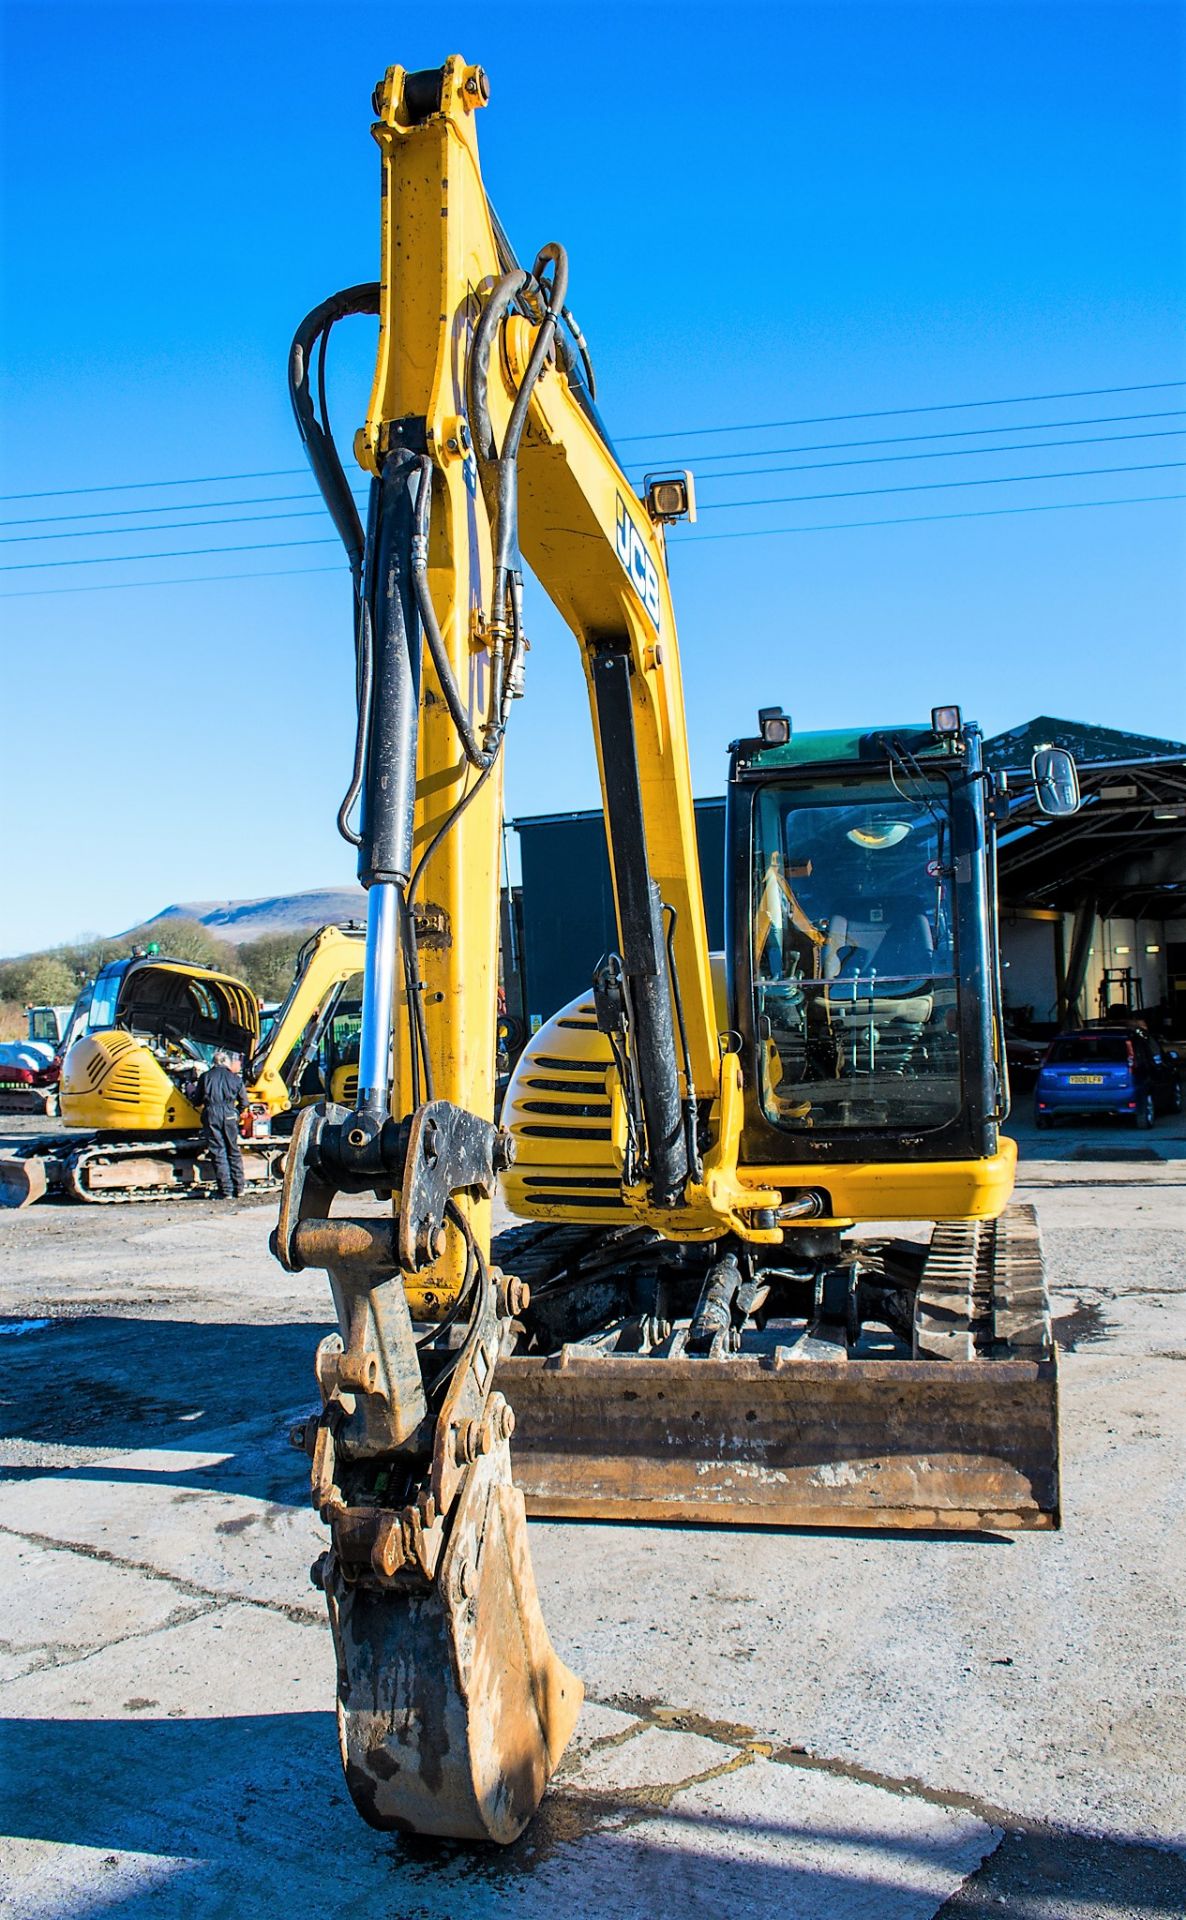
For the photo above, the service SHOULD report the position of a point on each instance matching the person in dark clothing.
(222, 1097)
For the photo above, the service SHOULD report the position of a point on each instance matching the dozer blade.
(39, 1100)
(453, 1708)
(22, 1181)
(786, 1441)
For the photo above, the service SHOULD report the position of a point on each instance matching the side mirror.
(1056, 781)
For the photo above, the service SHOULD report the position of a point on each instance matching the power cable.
(809, 420)
(865, 493)
(741, 473)
(176, 526)
(908, 439)
(766, 453)
(681, 540)
(918, 519)
(944, 453)
(717, 506)
(138, 486)
(184, 506)
(188, 580)
(177, 553)
(889, 413)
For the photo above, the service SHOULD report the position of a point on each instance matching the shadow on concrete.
(106, 1382)
(249, 1815)
(102, 1381)
(1071, 1876)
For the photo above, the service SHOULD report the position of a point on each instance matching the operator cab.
(181, 1010)
(862, 970)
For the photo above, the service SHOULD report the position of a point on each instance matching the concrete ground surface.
(817, 1726)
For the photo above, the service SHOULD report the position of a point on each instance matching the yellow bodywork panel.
(902, 1190)
(592, 545)
(559, 1107)
(330, 958)
(114, 1081)
(117, 1080)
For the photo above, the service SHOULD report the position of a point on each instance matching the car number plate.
(1085, 1079)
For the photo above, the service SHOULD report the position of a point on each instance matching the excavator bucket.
(22, 1180)
(453, 1708)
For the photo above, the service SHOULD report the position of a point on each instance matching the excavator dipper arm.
(326, 962)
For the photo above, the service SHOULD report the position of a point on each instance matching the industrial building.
(1093, 907)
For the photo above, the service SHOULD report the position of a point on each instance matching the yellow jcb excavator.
(688, 1327)
(140, 1035)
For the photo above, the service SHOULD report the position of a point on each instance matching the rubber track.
(126, 1196)
(983, 1291)
(545, 1250)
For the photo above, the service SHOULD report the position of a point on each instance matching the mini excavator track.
(111, 1173)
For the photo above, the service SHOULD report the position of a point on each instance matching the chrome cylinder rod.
(378, 997)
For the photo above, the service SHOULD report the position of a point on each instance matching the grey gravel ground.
(819, 1726)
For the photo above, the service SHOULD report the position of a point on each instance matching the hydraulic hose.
(313, 334)
(364, 650)
(478, 369)
(477, 755)
(323, 454)
(695, 1164)
(508, 502)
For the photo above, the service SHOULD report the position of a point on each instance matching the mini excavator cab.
(864, 978)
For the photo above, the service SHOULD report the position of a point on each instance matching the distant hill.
(240, 920)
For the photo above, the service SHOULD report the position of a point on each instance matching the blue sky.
(772, 214)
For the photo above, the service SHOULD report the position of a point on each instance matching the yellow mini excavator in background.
(139, 1037)
(689, 1326)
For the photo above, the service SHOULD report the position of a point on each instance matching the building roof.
(1092, 746)
(1123, 852)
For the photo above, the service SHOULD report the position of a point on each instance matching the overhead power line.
(945, 453)
(914, 519)
(740, 473)
(765, 453)
(138, 486)
(187, 580)
(716, 506)
(910, 439)
(173, 526)
(177, 553)
(866, 493)
(184, 506)
(809, 420)
(682, 540)
(891, 413)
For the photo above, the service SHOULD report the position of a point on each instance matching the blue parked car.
(1117, 1070)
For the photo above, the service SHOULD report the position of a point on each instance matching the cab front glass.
(854, 971)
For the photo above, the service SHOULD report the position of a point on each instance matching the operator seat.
(884, 949)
